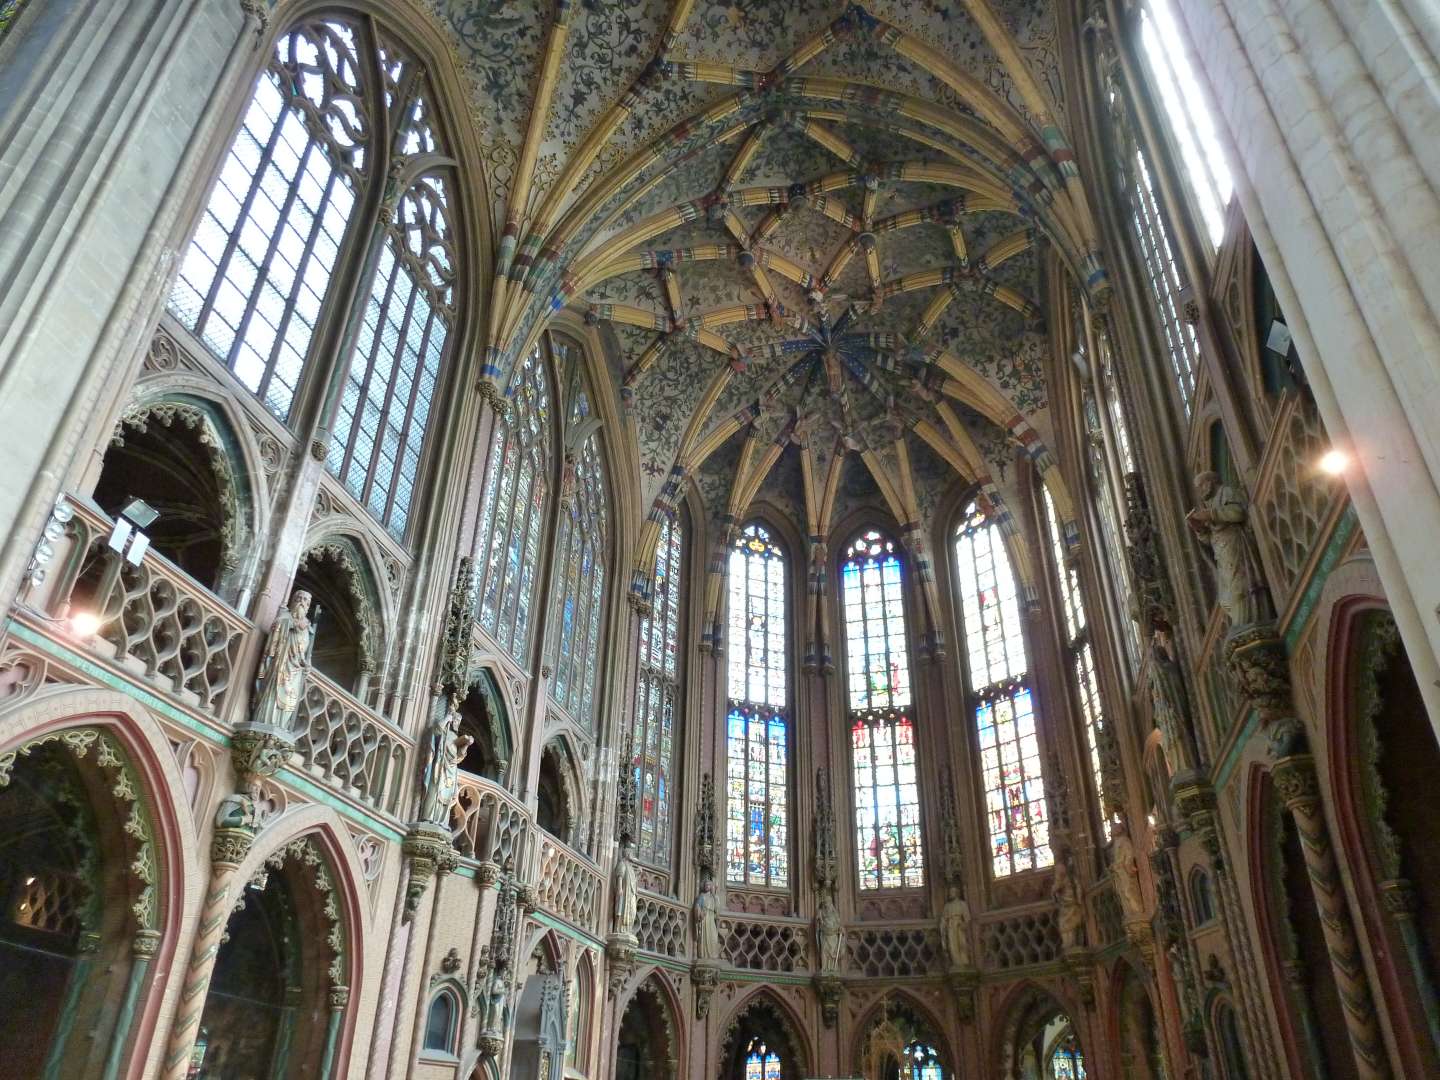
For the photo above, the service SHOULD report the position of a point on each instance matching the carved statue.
(955, 930)
(1168, 703)
(1067, 900)
(441, 783)
(1221, 523)
(281, 678)
(240, 809)
(707, 922)
(829, 934)
(497, 989)
(626, 897)
(1125, 872)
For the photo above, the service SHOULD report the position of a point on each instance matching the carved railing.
(1021, 939)
(569, 885)
(350, 746)
(662, 925)
(489, 823)
(766, 946)
(893, 951)
(152, 618)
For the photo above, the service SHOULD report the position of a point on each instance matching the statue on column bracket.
(1071, 918)
(626, 899)
(829, 934)
(1169, 703)
(1221, 523)
(1125, 874)
(707, 922)
(445, 750)
(281, 678)
(955, 930)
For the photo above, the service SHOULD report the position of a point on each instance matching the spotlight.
(84, 624)
(1334, 462)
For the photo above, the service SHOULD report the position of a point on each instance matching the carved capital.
(146, 944)
(705, 976)
(319, 449)
(429, 850)
(487, 874)
(492, 1045)
(620, 954)
(229, 847)
(339, 997)
(962, 989)
(830, 989)
(491, 395)
(258, 752)
(1399, 897)
(1257, 661)
(1297, 782)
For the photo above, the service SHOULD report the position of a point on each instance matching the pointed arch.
(338, 568)
(766, 1013)
(922, 1026)
(649, 1032)
(560, 790)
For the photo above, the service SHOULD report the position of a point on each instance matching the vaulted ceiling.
(808, 231)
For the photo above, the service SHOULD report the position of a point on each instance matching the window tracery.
(1081, 655)
(889, 853)
(656, 697)
(761, 1062)
(257, 271)
(757, 727)
(999, 683)
(923, 1062)
(581, 556)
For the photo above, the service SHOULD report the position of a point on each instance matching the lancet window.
(889, 852)
(656, 695)
(757, 736)
(923, 1062)
(515, 504)
(581, 557)
(1080, 652)
(1193, 128)
(761, 1063)
(280, 219)
(999, 682)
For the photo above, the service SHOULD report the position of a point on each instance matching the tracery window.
(882, 730)
(1081, 654)
(757, 729)
(581, 556)
(923, 1062)
(761, 1063)
(256, 276)
(513, 510)
(999, 682)
(1066, 1061)
(656, 695)
(1203, 162)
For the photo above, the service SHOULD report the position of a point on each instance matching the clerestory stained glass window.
(999, 683)
(757, 728)
(580, 561)
(889, 853)
(253, 279)
(512, 513)
(1081, 654)
(923, 1062)
(761, 1063)
(656, 694)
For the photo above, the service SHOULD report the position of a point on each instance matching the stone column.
(1333, 128)
(1299, 788)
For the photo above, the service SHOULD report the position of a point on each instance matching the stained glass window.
(1166, 281)
(512, 512)
(757, 729)
(254, 277)
(1082, 655)
(1202, 161)
(379, 430)
(656, 693)
(889, 853)
(999, 682)
(1066, 1061)
(924, 1062)
(761, 1063)
(580, 566)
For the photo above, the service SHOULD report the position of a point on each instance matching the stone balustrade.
(489, 824)
(569, 885)
(350, 746)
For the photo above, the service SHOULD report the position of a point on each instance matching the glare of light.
(1334, 462)
(1150, 818)
(29, 881)
(84, 624)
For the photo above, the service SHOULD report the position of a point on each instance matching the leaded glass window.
(1203, 162)
(656, 694)
(889, 853)
(253, 279)
(581, 556)
(999, 683)
(1081, 654)
(757, 728)
(1066, 1061)
(923, 1062)
(379, 430)
(512, 512)
(761, 1063)
(1166, 282)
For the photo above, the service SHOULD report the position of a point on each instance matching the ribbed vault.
(803, 229)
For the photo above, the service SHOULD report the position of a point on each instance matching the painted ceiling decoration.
(802, 229)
